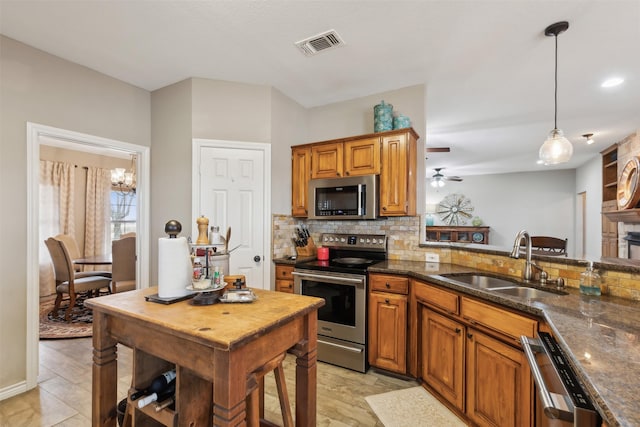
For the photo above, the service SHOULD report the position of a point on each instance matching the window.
(123, 213)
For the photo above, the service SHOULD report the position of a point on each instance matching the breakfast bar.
(216, 351)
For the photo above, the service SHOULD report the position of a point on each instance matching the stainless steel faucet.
(527, 273)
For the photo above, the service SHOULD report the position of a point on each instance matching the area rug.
(412, 407)
(53, 325)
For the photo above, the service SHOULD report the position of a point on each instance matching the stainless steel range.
(342, 282)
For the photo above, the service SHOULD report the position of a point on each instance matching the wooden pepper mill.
(203, 226)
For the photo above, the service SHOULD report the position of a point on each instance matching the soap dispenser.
(590, 281)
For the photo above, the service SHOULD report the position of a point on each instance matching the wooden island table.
(215, 349)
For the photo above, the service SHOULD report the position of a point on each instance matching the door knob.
(256, 258)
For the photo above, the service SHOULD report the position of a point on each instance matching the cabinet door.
(442, 355)
(398, 175)
(388, 331)
(362, 157)
(327, 160)
(300, 173)
(499, 386)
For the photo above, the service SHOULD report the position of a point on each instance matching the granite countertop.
(604, 349)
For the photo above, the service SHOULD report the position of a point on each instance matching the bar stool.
(255, 392)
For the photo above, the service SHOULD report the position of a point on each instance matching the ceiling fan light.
(556, 149)
(437, 182)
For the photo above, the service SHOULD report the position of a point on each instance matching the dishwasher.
(563, 399)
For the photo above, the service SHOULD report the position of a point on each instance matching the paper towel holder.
(172, 228)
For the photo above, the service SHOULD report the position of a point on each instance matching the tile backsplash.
(404, 238)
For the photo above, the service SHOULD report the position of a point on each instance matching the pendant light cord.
(555, 99)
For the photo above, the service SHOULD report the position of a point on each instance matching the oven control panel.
(369, 242)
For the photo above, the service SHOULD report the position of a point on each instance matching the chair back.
(72, 248)
(552, 245)
(123, 255)
(62, 265)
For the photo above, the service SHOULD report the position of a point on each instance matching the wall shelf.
(458, 234)
(627, 215)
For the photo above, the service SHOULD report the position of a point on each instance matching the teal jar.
(382, 117)
(401, 122)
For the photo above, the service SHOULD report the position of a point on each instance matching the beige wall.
(41, 88)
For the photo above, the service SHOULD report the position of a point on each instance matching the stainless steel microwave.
(354, 197)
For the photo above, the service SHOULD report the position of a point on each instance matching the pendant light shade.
(556, 149)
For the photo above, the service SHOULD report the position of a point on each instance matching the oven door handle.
(343, 347)
(321, 277)
(556, 406)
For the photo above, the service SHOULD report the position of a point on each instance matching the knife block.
(306, 251)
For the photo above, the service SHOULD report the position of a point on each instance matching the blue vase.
(401, 122)
(382, 117)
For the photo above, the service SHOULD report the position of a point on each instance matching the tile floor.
(63, 395)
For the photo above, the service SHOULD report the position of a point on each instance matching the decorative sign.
(455, 209)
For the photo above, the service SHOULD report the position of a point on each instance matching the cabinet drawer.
(499, 320)
(386, 283)
(284, 272)
(438, 298)
(284, 286)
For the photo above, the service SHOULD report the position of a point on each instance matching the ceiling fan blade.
(453, 178)
(438, 149)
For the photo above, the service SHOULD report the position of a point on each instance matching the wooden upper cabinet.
(300, 175)
(327, 161)
(398, 175)
(362, 157)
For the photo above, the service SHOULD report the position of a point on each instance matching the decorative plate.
(477, 237)
(628, 194)
(454, 209)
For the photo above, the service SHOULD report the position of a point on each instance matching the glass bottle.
(590, 281)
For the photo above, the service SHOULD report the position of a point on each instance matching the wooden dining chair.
(551, 246)
(123, 268)
(74, 252)
(66, 279)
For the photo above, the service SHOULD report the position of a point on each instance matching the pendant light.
(556, 149)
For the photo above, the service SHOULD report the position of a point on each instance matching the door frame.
(198, 144)
(34, 134)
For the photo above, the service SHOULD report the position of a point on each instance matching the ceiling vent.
(320, 42)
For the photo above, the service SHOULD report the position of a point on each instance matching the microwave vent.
(313, 45)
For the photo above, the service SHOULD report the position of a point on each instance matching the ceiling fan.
(438, 179)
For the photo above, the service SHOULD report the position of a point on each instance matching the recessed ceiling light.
(614, 81)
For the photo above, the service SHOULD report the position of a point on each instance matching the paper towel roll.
(174, 267)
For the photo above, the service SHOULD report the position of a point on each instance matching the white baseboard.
(13, 390)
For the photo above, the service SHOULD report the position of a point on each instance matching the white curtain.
(97, 238)
(57, 182)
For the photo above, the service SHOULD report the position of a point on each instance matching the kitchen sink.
(524, 292)
(480, 281)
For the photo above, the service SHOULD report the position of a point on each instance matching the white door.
(232, 189)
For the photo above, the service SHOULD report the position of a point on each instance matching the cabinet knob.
(387, 285)
(469, 335)
(386, 300)
(346, 173)
(458, 330)
(290, 286)
(384, 208)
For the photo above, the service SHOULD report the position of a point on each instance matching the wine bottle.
(158, 384)
(169, 391)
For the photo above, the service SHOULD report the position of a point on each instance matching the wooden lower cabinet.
(471, 357)
(442, 350)
(499, 384)
(387, 307)
(284, 278)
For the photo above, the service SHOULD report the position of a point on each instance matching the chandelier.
(125, 180)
